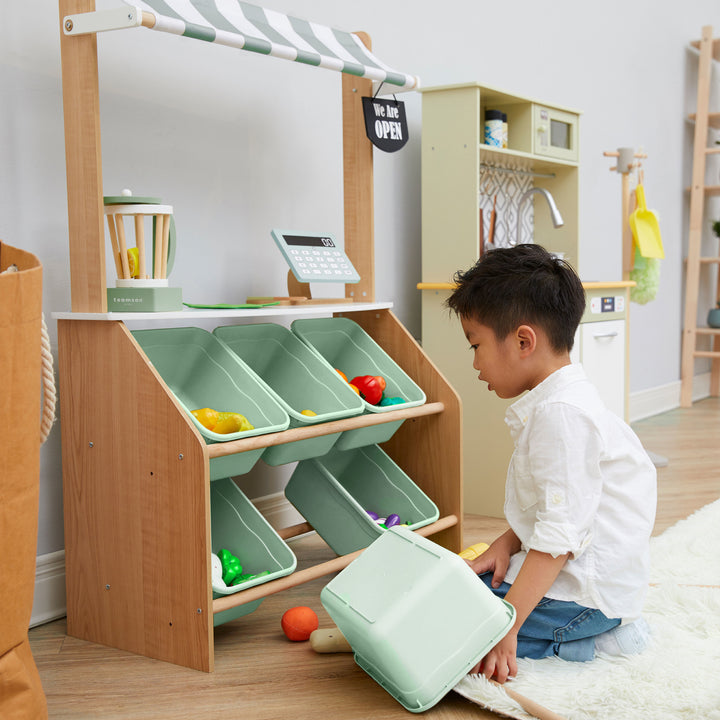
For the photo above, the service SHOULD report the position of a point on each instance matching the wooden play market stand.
(135, 469)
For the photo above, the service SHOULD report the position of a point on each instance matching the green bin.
(202, 372)
(345, 346)
(334, 494)
(239, 527)
(416, 616)
(299, 381)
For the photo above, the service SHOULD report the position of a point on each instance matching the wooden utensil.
(491, 226)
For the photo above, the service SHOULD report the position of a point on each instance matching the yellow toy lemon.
(309, 413)
(133, 256)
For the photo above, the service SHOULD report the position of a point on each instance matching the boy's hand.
(497, 557)
(501, 661)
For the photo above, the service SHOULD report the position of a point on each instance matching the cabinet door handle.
(610, 334)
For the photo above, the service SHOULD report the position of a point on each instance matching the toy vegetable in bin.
(370, 386)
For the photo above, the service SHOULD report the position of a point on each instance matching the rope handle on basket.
(48, 384)
(47, 376)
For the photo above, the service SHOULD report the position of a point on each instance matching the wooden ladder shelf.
(699, 192)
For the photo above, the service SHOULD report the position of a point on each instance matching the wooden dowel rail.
(312, 573)
(232, 447)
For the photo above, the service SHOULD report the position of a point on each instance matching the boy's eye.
(473, 347)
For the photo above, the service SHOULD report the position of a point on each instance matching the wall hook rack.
(627, 161)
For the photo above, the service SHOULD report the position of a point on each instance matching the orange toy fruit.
(298, 622)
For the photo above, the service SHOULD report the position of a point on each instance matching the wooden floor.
(260, 675)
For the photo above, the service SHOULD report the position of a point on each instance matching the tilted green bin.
(239, 527)
(345, 346)
(202, 372)
(416, 616)
(335, 492)
(299, 381)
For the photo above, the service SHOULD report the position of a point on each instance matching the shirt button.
(557, 498)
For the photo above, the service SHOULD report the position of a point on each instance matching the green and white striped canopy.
(249, 27)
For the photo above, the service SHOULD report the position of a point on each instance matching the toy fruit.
(217, 570)
(370, 387)
(231, 422)
(344, 377)
(207, 417)
(392, 520)
(298, 622)
(309, 413)
(230, 564)
(470, 553)
(133, 256)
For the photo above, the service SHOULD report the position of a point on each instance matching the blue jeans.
(557, 627)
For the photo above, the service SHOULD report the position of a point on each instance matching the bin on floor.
(416, 616)
(299, 381)
(345, 346)
(239, 527)
(202, 372)
(334, 494)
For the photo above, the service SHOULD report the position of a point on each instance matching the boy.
(580, 492)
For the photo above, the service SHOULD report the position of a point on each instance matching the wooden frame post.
(358, 185)
(81, 106)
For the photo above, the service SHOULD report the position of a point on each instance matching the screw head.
(91, 444)
(68, 25)
(180, 456)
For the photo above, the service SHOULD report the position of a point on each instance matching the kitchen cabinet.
(603, 342)
(136, 471)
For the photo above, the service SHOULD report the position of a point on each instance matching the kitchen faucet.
(557, 220)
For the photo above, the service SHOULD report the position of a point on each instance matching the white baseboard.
(660, 399)
(49, 600)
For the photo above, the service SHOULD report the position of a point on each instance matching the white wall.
(239, 143)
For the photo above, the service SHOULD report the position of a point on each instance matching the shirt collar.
(518, 413)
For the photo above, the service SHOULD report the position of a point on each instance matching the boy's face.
(494, 359)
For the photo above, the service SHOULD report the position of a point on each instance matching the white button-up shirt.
(579, 481)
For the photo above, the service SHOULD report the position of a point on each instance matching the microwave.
(555, 133)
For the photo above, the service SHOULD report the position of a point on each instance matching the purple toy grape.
(392, 520)
(373, 515)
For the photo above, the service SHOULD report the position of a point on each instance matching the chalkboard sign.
(385, 123)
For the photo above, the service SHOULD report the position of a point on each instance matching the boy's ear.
(526, 340)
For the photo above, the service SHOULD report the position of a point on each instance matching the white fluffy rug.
(677, 676)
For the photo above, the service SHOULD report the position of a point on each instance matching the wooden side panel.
(428, 449)
(136, 496)
(83, 164)
(358, 188)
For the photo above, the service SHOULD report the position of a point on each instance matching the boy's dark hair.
(525, 284)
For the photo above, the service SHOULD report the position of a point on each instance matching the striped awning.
(241, 25)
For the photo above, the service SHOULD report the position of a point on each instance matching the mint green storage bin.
(335, 492)
(202, 372)
(416, 616)
(345, 346)
(299, 381)
(239, 527)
